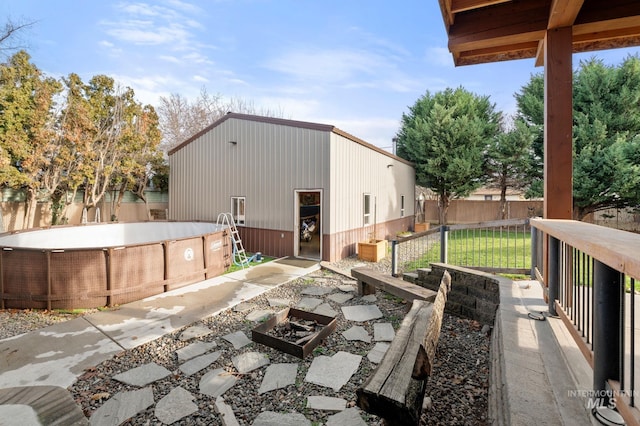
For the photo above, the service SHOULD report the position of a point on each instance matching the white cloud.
(200, 79)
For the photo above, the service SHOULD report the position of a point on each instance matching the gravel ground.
(456, 392)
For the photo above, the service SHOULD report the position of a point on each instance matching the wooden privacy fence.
(470, 211)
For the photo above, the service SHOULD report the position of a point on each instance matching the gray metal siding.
(357, 170)
(266, 164)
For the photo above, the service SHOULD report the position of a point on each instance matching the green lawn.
(481, 248)
(235, 267)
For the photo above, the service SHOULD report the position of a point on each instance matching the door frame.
(296, 221)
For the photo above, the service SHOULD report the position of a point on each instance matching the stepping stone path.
(369, 298)
(333, 371)
(278, 302)
(326, 310)
(143, 375)
(326, 403)
(316, 290)
(383, 332)
(340, 298)
(357, 332)
(195, 331)
(217, 382)
(244, 307)
(194, 350)
(308, 303)
(237, 339)
(270, 418)
(278, 376)
(376, 354)
(122, 406)
(348, 417)
(361, 313)
(329, 371)
(196, 364)
(249, 361)
(259, 315)
(176, 405)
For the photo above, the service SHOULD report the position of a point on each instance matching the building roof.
(286, 122)
(482, 31)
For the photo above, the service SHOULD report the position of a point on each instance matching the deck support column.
(558, 124)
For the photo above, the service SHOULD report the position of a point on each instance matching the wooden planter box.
(372, 251)
(421, 227)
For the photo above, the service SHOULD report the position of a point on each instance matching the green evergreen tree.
(446, 135)
(606, 125)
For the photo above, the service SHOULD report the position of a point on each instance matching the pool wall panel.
(96, 277)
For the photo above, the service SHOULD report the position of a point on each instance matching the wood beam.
(540, 54)
(558, 113)
(463, 5)
(504, 23)
(564, 12)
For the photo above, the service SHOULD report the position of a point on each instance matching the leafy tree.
(606, 122)
(181, 119)
(508, 160)
(10, 36)
(142, 157)
(446, 135)
(27, 133)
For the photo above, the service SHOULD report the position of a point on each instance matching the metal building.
(294, 188)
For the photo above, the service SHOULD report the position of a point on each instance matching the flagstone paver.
(195, 331)
(274, 302)
(376, 354)
(340, 298)
(316, 291)
(122, 406)
(360, 313)
(259, 315)
(326, 403)
(333, 371)
(278, 376)
(249, 361)
(194, 349)
(196, 364)
(348, 417)
(326, 310)
(371, 298)
(237, 339)
(308, 303)
(176, 405)
(357, 332)
(217, 382)
(347, 288)
(383, 332)
(244, 307)
(143, 375)
(270, 418)
(225, 411)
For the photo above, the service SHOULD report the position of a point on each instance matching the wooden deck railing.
(590, 273)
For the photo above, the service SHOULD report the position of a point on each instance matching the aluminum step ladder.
(239, 254)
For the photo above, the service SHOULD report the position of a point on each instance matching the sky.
(357, 65)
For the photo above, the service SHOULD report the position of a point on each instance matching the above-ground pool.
(94, 265)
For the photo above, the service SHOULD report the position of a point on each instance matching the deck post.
(444, 238)
(534, 252)
(554, 273)
(606, 324)
(394, 258)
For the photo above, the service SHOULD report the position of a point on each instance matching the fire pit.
(294, 331)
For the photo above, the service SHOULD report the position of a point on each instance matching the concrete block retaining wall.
(474, 295)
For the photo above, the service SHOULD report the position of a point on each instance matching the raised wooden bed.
(372, 250)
